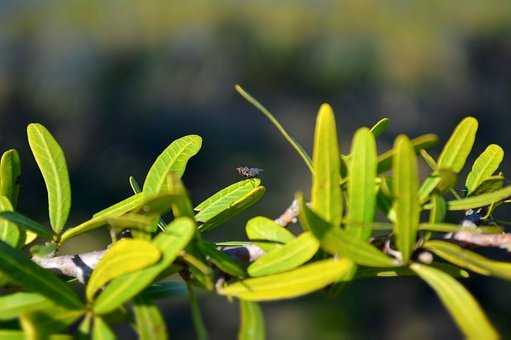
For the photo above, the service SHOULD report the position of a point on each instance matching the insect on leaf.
(174, 158)
(407, 207)
(462, 306)
(251, 321)
(297, 282)
(101, 331)
(271, 234)
(52, 163)
(10, 172)
(326, 190)
(124, 256)
(484, 166)
(9, 232)
(361, 185)
(149, 321)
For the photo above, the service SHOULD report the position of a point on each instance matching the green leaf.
(298, 148)
(10, 172)
(123, 257)
(459, 145)
(295, 253)
(26, 273)
(223, 261)
(462, 306)
(149, 321)
(297, 282)
(170, 242)
(419, 143)
(361, 185)
(469, 260)
(122, 207)
(326, 191)
(145, 223)
(234, 209)
(101, 331)
(380, 127)
(490, 184)
(198, 323)
(9, 334)
(9, 232)
(452, 228)
(52, 163)
(173, 158)
(13, 305)
(162, 290)
(336, 242)
(263, 229)
(181, 206)
(225, 198)
(251, 321)
(55, 318)
(26, 223)
(407, 207)
(480, 200)
(438, 209)
(484, 166)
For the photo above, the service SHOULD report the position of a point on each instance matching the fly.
(247, 172)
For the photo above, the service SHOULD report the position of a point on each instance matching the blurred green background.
(117, 81)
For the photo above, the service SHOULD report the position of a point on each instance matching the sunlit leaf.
(13, 305)
(123, 257)
(295, 253)
(380, 127)
(490, 184)
(326, 191)
(145, 223)
(438, 209)
(9, 232)
(52, 163)
(469, 260)
(361, 185)
(223, 261)
(20, 269)
(263, 229)
(484, 166)
(149, 321)
(101, 331)
(10, 172)
(452, 228)
(170, 242)
(419, 143)
(405, 185)
(462, 306)
(480, 200)
(297, 282)
(174, 158)
(251, 321)
(122, 207)
(181, 206)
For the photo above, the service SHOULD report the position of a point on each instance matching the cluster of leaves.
(340, 240)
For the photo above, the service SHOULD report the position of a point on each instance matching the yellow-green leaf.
(419, 143)
(462, 306)
(295, 253)
(380, 127)
(297, 282)
(9, 232)
(405, 183)
(484, 166)
(174, 158)
(13, 305)
(52, 163)
(220, 259)
(251, 321)
(10, 172)
(438, 209)
(271, 234)
(170, 242)
(101, 331)
(480, 200)
(145, 223)
(123, 257)
(326, 189)
(122, 207)
(361, 185)
(149, 321)
(469, 260)
(26, 223)
(459, 145)
(181, 205)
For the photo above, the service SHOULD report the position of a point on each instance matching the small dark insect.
(245, 171)
(125, 233)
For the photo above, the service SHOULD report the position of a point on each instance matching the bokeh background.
(117, 81)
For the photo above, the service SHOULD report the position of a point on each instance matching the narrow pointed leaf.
(149, 321)
(438, 209)
(480, 200)
(10, 172)
(469, 260)
(419, 143)
(13, 305)
(462, 306)
(484, 166)
(295, 253)
(220, 259)
(297, 282)
(145, 223)
(52, 163)
(263, 229)
(26, 273)
(405, 184)
(326, 191)
(9, 232)
(459, 145)
(170, 242)
(251, 321)
(123, 257)
(361, 185)
(122, 207)
(25, 223)
(101, 331)
(174, 158)
(380, 127)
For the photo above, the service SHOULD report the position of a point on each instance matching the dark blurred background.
(117, 81)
